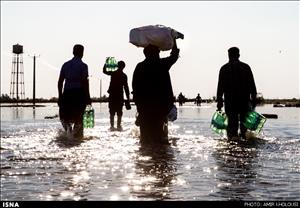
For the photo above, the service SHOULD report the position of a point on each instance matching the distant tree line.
(5, 98)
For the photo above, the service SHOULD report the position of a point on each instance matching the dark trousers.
(153, 129)
(235, 121)
(77, 128)
(71, 111)
(115, 107)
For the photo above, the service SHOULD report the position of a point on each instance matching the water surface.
(39, 163)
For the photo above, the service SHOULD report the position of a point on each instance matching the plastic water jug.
(111, 64)
(88, 117)
(219, 122)
(254, 121)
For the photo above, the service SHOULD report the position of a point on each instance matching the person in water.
(198, 100)
(236, 84)
(73, 92)
(153, 94)
(181, 99)
(118, 84)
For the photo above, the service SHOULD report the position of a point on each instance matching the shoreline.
(276, 104)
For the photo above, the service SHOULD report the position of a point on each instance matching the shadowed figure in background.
(198, 100)
(181, 99)
(75, 95)
(237, 84)
(153, 94)
(118, 84)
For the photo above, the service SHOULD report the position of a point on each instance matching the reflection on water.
(66, 141)
(39, 162)
(33, 113)
(237, 164)
(156, 167)
(17, 113)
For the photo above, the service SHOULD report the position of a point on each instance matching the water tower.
(17, 89)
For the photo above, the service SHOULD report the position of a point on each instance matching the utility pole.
(33, 88)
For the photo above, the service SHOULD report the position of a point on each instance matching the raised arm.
(169, 61)
(105, 70)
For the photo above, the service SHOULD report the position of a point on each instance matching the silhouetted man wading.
(73, 98)
(237, 84)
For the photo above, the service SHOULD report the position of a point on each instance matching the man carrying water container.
(237, 84)
(73, 98)
(118, 84)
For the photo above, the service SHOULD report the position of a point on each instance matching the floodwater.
(39, 163)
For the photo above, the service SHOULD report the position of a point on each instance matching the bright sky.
(267, 34)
